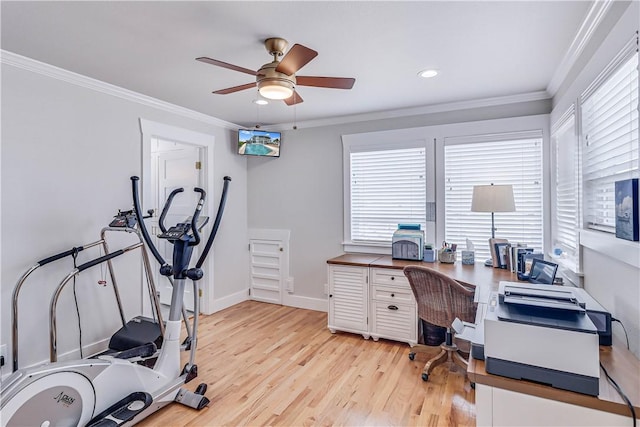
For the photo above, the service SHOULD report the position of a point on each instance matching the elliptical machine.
(115, 391)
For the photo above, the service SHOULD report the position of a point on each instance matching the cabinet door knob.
(393, 307)
(330, 295)
(393, 295)
(393, 278)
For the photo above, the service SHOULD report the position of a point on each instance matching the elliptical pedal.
(195, 400)
(122, 411)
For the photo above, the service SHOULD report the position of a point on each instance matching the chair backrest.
(440, 298)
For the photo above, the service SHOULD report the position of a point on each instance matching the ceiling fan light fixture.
(275, 89)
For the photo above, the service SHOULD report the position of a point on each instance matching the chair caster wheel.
(412, 356)
(425, 377)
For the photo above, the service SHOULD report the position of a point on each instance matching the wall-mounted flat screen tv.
(254, 142)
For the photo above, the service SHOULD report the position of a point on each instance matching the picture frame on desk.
(492, 248)
(502, 253)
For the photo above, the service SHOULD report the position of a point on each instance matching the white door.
(178, 166)
(266, 270)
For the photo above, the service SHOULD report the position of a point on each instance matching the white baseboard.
(316, 304)
(229, 300)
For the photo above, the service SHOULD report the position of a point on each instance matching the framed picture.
(627, 209)
(502, 252)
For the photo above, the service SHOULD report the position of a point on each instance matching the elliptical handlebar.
(166, 268)
(165, 210)
(196, 215)
(216, 223)
(141, 224)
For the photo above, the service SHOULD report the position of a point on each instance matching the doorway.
(171, 158)
(174, 165)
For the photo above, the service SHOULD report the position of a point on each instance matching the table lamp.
(492, 198)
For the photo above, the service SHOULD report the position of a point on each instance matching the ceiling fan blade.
(330, 82)
(234, 89)
(294, 99)
(225, 65)
(297, 57)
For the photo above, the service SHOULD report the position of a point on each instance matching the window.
(609, 116)
(388, 187)
(514, 159)
(388, 179)
(566, 189)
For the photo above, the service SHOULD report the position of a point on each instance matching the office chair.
(440, 300)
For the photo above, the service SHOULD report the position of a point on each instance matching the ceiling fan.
(277, 79)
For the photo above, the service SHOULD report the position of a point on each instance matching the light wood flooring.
(267, 364)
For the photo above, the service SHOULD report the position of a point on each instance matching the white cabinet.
(393, 310)
(348, 299)
(374, 302)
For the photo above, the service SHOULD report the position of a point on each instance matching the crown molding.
(591, 22)
(28, 64)
(19, 61)
(417, 111)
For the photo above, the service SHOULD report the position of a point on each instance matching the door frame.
(205, 142)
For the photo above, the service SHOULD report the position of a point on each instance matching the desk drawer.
(394, 321)
(389, 277)
(392, 295)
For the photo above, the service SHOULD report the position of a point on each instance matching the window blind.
(566, 218)
(388, 187)
(610, 128)
(515, 161)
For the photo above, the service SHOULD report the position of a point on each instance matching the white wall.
(615, 284)
(67, 155)
(302, 191)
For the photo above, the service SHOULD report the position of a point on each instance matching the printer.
(542, 334)
(408, 242)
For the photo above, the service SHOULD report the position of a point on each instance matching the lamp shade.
(492, 198)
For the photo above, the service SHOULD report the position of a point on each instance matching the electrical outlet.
(3, 354)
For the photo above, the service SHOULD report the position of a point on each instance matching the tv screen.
(253, 142)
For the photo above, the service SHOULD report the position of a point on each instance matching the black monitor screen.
(542, 272)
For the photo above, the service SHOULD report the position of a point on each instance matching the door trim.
(149, 130)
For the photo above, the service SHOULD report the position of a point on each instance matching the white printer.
(408, 242)
(543, 334)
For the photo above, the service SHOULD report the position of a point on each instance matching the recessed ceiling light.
(260, 101)
(428, 73)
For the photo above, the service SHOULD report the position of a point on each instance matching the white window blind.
(503, 160)
(388, 187)
(610, 129)
(565, 222)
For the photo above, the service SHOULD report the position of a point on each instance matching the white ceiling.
(483, 49)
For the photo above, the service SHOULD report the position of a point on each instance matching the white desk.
(503, 401)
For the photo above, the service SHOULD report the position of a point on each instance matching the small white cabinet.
(348, 299)
(392, 306)
(374, 302)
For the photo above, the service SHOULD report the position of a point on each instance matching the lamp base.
(488, 263)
